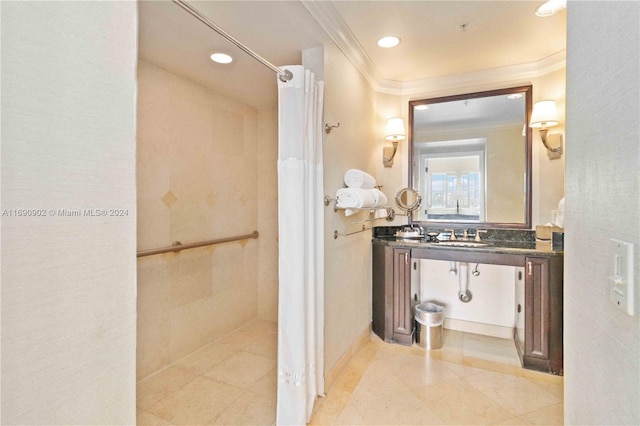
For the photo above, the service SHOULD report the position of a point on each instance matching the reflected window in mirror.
(452, 181)
(470, 158)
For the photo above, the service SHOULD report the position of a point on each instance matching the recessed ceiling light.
(221, 58)
(551, 7)
(421, 107)
(514, 96)
(388, 41)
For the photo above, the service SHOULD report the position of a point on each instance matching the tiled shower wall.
(206, 169)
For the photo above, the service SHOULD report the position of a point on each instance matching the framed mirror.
(470, 159)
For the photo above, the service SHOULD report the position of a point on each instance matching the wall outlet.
(621, 290)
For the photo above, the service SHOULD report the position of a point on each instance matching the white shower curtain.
(301, 245)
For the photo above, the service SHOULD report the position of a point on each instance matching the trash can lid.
(430, 307)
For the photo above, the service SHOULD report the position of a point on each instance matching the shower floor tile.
(230, 381)
(242, 369)
(233, 381)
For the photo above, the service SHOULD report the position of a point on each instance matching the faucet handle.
(453, 234)
(478, 232)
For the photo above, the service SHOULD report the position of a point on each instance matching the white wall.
(68, 142)
(491, 311)
(350, 101)
(548, 174)
(602, 343)
(396, 177)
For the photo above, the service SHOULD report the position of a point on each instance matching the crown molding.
(325, 13)
(519, 72)
(553, 63)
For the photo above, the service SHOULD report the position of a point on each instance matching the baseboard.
(479, 328)
(361, 340)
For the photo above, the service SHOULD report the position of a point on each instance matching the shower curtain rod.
(284, 75)
(178, 246)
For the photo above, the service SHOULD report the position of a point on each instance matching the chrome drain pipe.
(464, 294)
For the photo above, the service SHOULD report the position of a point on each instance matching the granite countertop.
(498, 242)
(497, 247)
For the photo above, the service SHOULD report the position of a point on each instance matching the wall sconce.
(395, 133)
(545, 115)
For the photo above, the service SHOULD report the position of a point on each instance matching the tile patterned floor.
(231, 381)
(472, 380)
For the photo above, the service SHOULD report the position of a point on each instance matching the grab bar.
(178, 246)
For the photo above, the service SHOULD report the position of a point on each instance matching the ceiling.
(434, 43)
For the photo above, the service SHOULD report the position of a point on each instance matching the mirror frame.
(527, 90)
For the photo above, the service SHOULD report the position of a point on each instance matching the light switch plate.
(621, 290)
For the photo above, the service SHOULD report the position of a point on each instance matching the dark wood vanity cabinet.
(538, 328)
(391, 297)
(542, 346)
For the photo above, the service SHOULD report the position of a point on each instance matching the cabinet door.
(402, 314)
(382, 292)
(537, 324)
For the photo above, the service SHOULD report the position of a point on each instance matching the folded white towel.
(355, 178)
(381, 199)
(357, 198)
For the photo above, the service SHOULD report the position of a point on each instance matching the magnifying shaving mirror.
(408, 200)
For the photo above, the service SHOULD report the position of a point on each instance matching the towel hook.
(328, 128)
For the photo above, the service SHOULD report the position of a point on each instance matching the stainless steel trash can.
(429, 322)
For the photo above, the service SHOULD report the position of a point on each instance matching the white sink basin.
(470, 244)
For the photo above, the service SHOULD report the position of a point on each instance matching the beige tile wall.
(204, 171)
(268, 214)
